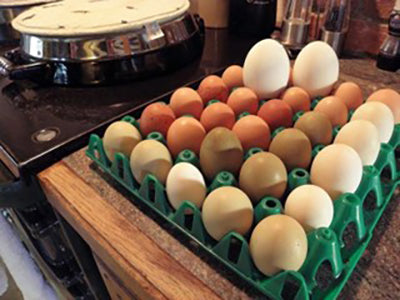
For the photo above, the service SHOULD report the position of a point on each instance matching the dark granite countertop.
(377, 275)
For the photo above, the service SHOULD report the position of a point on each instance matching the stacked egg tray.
(360, 211)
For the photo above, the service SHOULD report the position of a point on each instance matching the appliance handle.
(24, 71)
(14, 192)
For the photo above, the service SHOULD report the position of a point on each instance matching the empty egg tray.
(333, 252)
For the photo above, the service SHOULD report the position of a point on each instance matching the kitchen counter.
(141, 256)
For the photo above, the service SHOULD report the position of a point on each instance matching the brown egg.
(351, 95)
(316, 126)
(389, 97)
(186, 101)
(227, 209)
(293, 147)
(156, 117)
(334, 109)
(290, 83)
(263, 174)
(276, 113)
(297, 98)
(278, 243)
(185, 133)
(233, 76)
(150, 157)
(217, 115)
(220, 151)
(120, 137)
(252, 131)
(213, 87)
(243, 100)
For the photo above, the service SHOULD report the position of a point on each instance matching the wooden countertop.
(156, 261)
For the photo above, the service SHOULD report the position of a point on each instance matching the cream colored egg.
(278, 243)
(380, 115)
(316, 69)
(266, 69)
(362, 136)
(120, 137)
(227, 209)
(185, 183)
(311, 206)
(337, 169)
(150, 157)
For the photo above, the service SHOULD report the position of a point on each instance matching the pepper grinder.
(296, 24)
(389, 54)
(336, 23)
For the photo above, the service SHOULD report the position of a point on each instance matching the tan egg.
(220, 151)
(186, 133)
(362, 136)
(227, 209)
(316, 126)
(186, 101)
(389, 97)
(278, 243)
(213, 88)
(185, 183)
(380, 115)
(351, 94)
(293, 147)
(337, 169)
(263, 174)
(297, 98)
(233, 76)
(218, 115)
(120, 137)
(243, 100)
(252, 132)
(150, 157)
(334, 109)
(311, 206)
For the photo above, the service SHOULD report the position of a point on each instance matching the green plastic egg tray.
(360, 211)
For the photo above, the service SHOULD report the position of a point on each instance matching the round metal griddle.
(101, 42)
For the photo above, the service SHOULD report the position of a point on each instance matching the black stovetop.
(27, 108)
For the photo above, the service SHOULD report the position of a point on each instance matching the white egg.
(337, 169)
(120, 137)
(227, 209)
(378, 114)
(316, 69)
(311, 206)
(266, 69)
(185, 183)
(362, 136)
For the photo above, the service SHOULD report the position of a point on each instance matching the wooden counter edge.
(144, 268)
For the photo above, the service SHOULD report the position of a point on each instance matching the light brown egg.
(334, 109)
(263, 174)
(213, 88)
(186, 101)
(297, 98)
(220, 151)
(389, 97)
(217, 115)
(156, 117)
(120, 137)
(243, 100)
(351, 94)
(293, 147)
(233, 76)
(150, 157)
(252, 131)
(278, 243)
(186, 133)
(227, 209)
(316, 126)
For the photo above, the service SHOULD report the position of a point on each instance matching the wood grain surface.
(142, 266)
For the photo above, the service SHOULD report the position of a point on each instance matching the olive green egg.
(221, 150)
